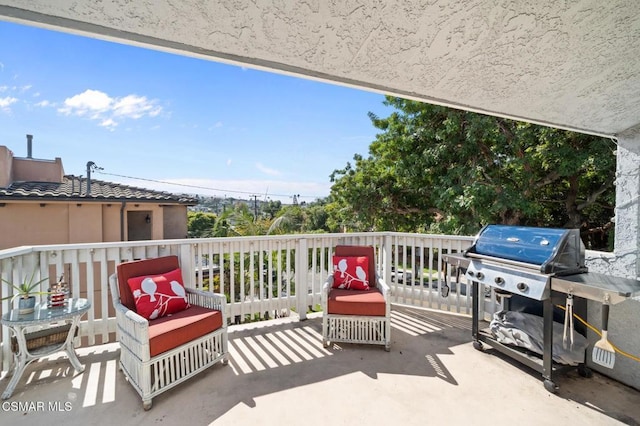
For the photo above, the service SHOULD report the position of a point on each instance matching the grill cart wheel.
(550, 386)
(478, 345)
(585, 371)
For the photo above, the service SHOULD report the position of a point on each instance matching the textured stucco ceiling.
(570, 64)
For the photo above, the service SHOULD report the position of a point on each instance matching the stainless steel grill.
(532, 269)
(522, 260)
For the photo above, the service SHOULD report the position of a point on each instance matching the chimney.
(29, 146)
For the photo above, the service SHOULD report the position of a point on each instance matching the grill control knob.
(471, 273)
(499, 280)
(480, 275)
(522, 287)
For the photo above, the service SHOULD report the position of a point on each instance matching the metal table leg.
(69, 348)
(23, 358)
(20, 361)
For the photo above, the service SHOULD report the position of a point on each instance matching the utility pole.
(91, 166)
(255, 207)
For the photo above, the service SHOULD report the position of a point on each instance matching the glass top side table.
(18, 323)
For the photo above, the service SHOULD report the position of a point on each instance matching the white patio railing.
(263, 276)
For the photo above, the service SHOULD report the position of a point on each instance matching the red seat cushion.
(355, 302)
(171, 331)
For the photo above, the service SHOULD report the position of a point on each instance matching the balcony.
(279, 372)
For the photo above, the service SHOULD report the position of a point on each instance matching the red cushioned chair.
(357, 316)
(157, 354)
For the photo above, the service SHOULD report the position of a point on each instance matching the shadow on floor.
(284, 361)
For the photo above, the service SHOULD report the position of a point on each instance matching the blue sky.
(154, 115)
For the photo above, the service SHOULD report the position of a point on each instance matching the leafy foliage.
(26, 288)
(436, 169)
(241, 221)
(200, 224)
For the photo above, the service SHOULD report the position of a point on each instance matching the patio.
(279, 373)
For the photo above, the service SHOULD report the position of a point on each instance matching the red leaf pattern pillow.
(351, 272)
(159, 295)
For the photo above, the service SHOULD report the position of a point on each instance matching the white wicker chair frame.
(375, 330)
(150, 376)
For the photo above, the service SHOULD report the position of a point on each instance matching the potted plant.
(25, 293)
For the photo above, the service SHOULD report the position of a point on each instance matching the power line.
(201, 187)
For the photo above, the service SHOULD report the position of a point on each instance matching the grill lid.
(552, 250)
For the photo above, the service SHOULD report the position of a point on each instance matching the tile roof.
(75, 188)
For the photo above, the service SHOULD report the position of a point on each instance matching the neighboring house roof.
(74, 188)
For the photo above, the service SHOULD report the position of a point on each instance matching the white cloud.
(4, 88)
(5, 103)
(108, 123)
(88, 102)
(135, 107)
(267, 170)
(97, 105)
(229, 162)
(43, 104)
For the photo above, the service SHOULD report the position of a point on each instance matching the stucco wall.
(6, 158)
(85, 223)
(25, 170)
(111, 222)
(34, 223)
(567, 64)
(174, 222)
(30, 224)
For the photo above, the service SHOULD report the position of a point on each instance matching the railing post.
(386, 258)
(302, 271)
(187, 264)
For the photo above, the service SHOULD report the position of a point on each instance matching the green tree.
(301, 218)
(200, 224)
(270, 208)
(433, 168)
(316, 216)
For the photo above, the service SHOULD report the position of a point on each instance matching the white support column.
(628, 204)
(625, 261)
(624, 320)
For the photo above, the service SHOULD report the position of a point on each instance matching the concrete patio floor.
(280, 374)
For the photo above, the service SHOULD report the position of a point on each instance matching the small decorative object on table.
(58, 294)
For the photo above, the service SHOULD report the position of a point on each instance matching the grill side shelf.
(595, 286)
